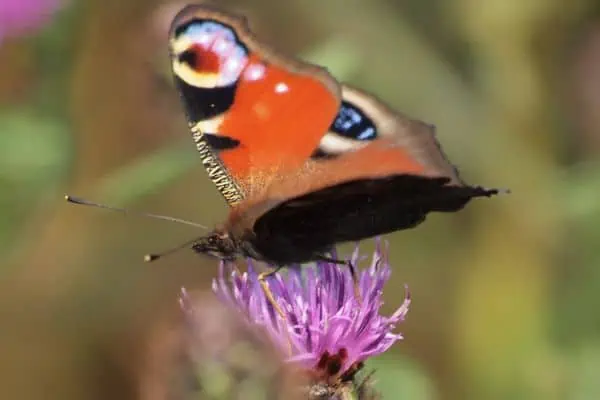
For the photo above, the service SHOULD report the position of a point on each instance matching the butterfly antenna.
(155, 256)
(83, 202)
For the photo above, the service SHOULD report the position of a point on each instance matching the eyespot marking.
(351, 122)
(208, 54)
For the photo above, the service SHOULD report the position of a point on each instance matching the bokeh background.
(506, 293)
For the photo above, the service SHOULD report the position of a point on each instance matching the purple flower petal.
(322, 317)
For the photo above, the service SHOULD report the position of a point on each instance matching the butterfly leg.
(349, 264)
(262, 279)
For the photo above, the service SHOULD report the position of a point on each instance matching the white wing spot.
(281, 88)
(254, 72)
(222, 46)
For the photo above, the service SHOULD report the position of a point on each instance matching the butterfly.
(304, 162)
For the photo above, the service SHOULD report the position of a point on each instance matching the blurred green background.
(506, 293)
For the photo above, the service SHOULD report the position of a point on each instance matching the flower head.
(326, 330)
(18, 16)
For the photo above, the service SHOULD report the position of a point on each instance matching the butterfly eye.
(223, 235)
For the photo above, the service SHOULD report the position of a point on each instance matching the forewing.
(254, 113)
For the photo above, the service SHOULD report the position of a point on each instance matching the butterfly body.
(304, 162)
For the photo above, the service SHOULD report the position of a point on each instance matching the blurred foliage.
(505, 292)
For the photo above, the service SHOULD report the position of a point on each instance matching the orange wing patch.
(279, 120)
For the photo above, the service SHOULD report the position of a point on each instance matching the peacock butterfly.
(304, 161)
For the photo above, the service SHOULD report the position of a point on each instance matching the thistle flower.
(326, 332)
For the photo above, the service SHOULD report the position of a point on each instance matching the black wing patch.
(313, 223)
(205, 103)
(353, 123)
(221, 142)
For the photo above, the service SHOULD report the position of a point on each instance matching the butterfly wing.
(376, 171)
(368, 140)
(354, 210)
(254, 114)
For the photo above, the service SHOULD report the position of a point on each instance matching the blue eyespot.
(351, 122)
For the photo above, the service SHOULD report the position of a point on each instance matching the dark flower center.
(330, 366)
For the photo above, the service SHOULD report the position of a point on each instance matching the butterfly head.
(217, 244)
